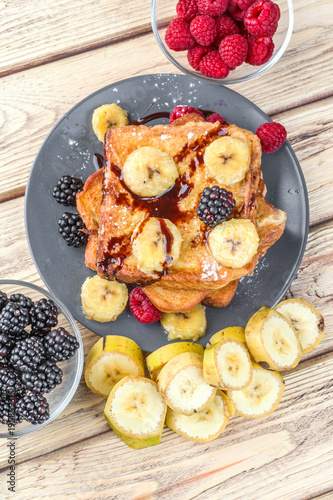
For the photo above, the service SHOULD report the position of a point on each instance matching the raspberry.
(225, 26)
(233, 50)
(212, 7)
(259, 51)
(215, 117)
(195, 55)
(237, 8)
(178, 36)
(261, 19)
(187, 9)
(272, 135)
(203, 29)
(212, 65)
(143, 310)
(179, 111)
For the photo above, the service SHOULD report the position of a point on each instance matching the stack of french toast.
(141, 211)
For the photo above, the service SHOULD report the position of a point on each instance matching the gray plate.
(69, 149)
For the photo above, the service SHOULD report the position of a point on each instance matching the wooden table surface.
(53, 54)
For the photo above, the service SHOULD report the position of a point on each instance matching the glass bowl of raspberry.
(223, 41)
(41, 358)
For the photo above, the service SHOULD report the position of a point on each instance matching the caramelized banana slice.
(103, 300)
(156, 245)
(234, 242)
(228, 159)
(185, 326)
(108, 116)
(149, 172)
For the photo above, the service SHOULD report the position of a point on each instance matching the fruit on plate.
(149, 172)
(111, 359)
(228, 159)
(108, 116)
(186, 326)
(103, 300)
(136, 412)
(182, 384)
(261, 397)
(234, 242)
(232, 332)
(272, 340)
(307, 321)
(157, 359)
(156, 245)
(227, 364)
(205, 425)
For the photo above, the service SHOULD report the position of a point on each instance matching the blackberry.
(10, 384)
(3, 299)
(215, 205)
(60, 345)
(33, 407)
(66, 190)
(13, 318)
(47, 376)
(71, 228)
(43, 315)
(27, 354)
(22, 300)
(8, 410)
(7, 341)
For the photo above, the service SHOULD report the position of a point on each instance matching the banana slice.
(272, 340)
(103, 300)
(156, 245)
(108, 116)
(185, 326)
(136, 412)
(182, 384)
(227, 365)
(111, 359)
(234, 242)
(205, 425)
(157, 359)
(149, 172)
(261, 397)
(307, 321)
(228, 159)
(232, 333)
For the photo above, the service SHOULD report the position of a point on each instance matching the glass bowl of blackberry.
(223, 41)
(41, 358)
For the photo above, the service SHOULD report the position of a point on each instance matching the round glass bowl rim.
(226, 81)
(63, 309)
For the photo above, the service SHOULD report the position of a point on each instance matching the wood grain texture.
(248, 460)
(37, 32)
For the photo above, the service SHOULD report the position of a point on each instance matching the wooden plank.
(30, 110)
(259, 458)
(75, 27)
(84, 413)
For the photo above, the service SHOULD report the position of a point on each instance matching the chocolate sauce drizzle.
(164, 206)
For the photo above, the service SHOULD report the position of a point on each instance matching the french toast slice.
(111, 213)
(121, 212)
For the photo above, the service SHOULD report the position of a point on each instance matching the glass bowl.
(61, 395)
(162, 12)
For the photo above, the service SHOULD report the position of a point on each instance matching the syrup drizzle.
(164, 206)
